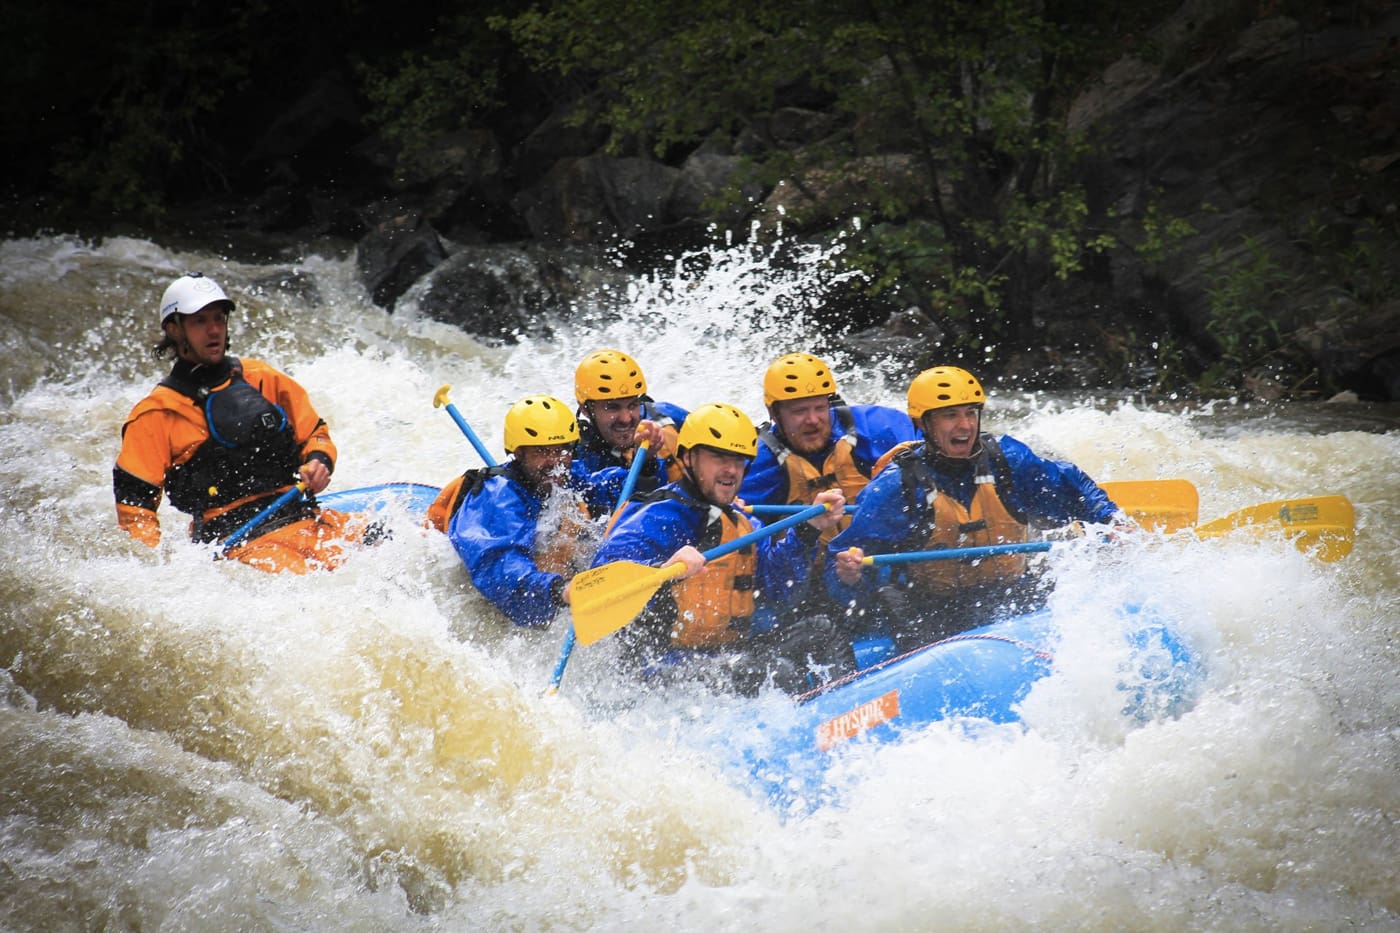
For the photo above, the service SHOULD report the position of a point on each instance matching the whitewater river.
(190, 745)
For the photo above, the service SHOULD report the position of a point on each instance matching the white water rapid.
(191, 745)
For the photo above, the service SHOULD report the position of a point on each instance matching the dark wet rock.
(900, 347)
(1249, 146)
(400, 248)
(1358, 348)
(500, 293)
(599, 199)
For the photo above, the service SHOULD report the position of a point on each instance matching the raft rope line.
(1040, 653)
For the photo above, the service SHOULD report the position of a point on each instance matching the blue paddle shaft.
(471, 435)
(243, 531)
(639, 458)
(812, 511)
(964, 553)
(567, 649)
(762, 510)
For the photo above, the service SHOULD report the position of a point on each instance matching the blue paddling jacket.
(897, 514)
(596, 454)
(876, 429)
(497, 533)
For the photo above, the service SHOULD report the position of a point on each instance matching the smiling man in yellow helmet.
(959, 488)
(715, 607)
(523, 528)
(814, 440)
(616, 414)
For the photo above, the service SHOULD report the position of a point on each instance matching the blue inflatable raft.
(413, 498)
(981, 675)
(978, 676)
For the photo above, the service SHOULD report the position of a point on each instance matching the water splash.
(188, 743)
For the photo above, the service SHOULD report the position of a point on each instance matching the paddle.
(633, 473)
(1156, 504)
(761, 510)
(959, 553)
(439, 400)
(570, 638)
(247, 527)
(607, 598)
(1324, 525)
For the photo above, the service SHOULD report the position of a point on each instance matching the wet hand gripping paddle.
(609, 597)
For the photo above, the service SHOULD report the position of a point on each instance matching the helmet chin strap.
(684, 461)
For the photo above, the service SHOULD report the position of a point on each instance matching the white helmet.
(190, 294)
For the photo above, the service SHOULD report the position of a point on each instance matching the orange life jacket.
(948, 524)
(220, 453)
(450, 499)
(838, 471)
(558, 546)
(888, 456)
(713, 608)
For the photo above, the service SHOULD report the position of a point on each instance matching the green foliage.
(1161, 233)
(416, 95)
(1055, 227)
(967, 96)
(115, 176)
(117, 108)
(1170, 368)
(1362, 260)
(161, 83)
(1244, 297)
(891, 254)
(910, 263)
(667, 73)
(1368, 266)
(1253, 298)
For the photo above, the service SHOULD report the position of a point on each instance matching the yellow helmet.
(943, 387)
(720, 426)
(539, 421)
(797, 375)
(606, 374)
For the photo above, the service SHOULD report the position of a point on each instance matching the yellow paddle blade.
(1325, 525)
(1156, 504)
(606, 598)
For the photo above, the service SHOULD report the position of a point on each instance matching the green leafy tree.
(972, 91)
(461, 75)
